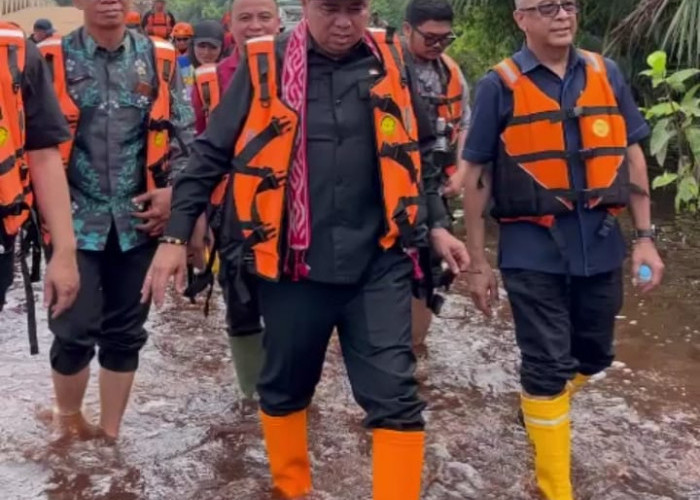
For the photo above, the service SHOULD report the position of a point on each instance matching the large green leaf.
(692, 135)
(657, 62)
(662, 109)
(660, 138)
(677, 80)
(664, 180)
(688, 189)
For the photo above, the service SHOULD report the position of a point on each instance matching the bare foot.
(69, 427)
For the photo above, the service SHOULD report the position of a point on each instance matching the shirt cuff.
(638, 135)
(180, 226)
(477, 157)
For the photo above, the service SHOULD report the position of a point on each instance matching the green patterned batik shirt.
(107, 169)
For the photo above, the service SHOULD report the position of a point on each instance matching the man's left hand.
(61, 283)
(156, 216)
(644, 252)
(451, 249)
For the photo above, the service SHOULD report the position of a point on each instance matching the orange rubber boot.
(287, 452)
(397, 463)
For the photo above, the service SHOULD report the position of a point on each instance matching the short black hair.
(420, 11)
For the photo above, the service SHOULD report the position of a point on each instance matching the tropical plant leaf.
(660, 138)
(657, 62)
(664, 180)
(692, 135)
(663, 109)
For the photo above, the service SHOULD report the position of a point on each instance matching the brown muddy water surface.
(186, 435)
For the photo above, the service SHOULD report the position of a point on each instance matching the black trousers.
(563, 325)
(107, 312)
(242, 319)
(373, 320)
(7, 271)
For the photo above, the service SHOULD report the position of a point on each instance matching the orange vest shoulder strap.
(594, 60)
(166, 56)
(262, 62)
(508, 71)
(207, 83)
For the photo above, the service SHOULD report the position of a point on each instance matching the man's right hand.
(170, 261)
(483, 287)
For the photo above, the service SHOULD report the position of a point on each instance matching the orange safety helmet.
(183, 30)
(133, 17)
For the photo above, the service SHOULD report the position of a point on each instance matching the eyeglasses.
(431, 40)
(551, 9)
(182, 39)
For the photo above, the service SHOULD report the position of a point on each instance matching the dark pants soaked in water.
(374, 328)
(107, 312)
(563, 325)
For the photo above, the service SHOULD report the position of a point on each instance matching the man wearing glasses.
(562, 131)
(441, 84)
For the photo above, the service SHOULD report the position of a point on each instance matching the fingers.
(482, 303)
(463, 258)
(146, 288)
(657, 276)
(63, 302)
(48, 292)
(180, 279)
(143, 198)
(493, 288)
(148, 227)
(451, 262)
(148, 214)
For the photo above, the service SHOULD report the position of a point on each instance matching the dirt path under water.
(185, 436)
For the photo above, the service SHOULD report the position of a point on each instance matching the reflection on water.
(186, 436)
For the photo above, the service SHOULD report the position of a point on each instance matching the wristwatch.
(645, 233)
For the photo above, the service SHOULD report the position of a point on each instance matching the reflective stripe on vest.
(265, 147)
(159, 24)
(159, 126)
(15, 189)
(532, 177)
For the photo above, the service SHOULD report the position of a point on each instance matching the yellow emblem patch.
(4, 134)
(388, 125)
(601, 128)
(159, 139)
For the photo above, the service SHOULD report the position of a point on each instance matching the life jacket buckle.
(572, 113)
(606, 226)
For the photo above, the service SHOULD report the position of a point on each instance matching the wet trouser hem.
(564, 325)
(107, 314)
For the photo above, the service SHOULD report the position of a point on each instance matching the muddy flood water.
(186, 436)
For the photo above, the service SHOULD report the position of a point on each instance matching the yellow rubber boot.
(287, 452)
(577, 383)
(397, 464)
(548, 425)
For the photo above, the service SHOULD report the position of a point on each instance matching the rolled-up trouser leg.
(541, 305)
(123, 316)
(595, 302)
(76, 330)
(244, 331)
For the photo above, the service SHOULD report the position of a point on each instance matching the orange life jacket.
(531, 179)
(264, 150)
(159, 24)
(15, 188)
(449, 106)
(159, 126)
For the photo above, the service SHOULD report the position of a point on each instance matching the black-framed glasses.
(431, 40)
(182, 39)
(551, 9)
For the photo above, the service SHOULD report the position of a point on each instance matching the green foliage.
(676, 128)
(196, 10)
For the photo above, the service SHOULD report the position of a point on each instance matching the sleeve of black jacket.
(437, 215)
(210, 156)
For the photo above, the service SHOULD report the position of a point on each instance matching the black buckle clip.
(574, 112)
(606, 226)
